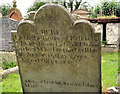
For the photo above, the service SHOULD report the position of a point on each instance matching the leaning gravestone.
(56, 54)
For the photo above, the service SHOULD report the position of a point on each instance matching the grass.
(109, 69)
(7, 65)
(8, 60)
(12, 83)
(109, 74)
(0, 87)
(108, 16)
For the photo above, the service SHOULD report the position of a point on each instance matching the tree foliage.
(77, 4)
(36, 6)
(4, 9)
(107, 9)
(70, 4)
(117, 12)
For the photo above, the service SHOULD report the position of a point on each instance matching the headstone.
(0, 55)
(30, 15)
(56, 54)
(100, 13)
(7, 26)
(112, 14)
(0, 33)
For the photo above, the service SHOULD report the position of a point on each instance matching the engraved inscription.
(36, 84)
(53, 48)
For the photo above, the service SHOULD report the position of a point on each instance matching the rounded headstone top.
(30, 15)
(54, 15)
(53, 12)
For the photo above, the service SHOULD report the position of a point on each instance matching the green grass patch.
(108, 16)
(12, 83)
(109, 70)
(7, 65)
(0, 86)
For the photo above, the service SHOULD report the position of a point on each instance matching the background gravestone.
(56, 54)
(0, 33)
(7, 26)
(0, 56)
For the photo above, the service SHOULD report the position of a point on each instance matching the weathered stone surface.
(56, 54)
(8, 56)
(5, 73)
(7, 26)
(0, 33)
(0, 45)
(99, 29)
(112, 33)
(109, 48)
(30, 16)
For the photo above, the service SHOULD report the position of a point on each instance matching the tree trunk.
(64, 4)
(71, 5)
(77, 4)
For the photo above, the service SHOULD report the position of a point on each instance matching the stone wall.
(112, 32)
(5, 31)
(8, 56)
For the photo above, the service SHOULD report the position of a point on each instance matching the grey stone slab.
(0, 33)
(57, 54)
(7, 26)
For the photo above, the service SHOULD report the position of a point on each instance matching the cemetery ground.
(109, 70)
